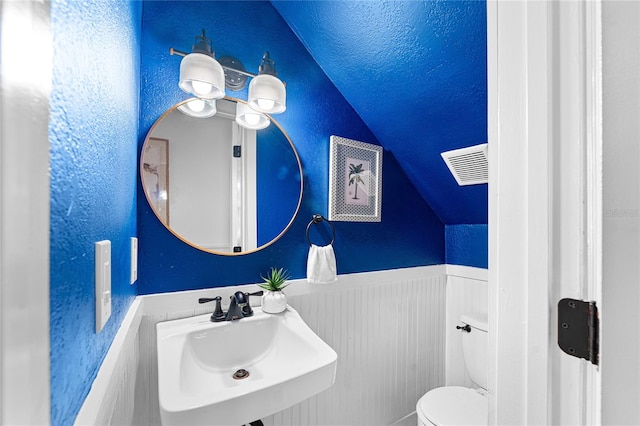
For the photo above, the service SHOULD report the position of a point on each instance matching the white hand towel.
(321, 265)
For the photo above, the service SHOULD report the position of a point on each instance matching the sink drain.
(240, 374)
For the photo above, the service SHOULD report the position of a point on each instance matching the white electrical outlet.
(103, 283)
(134, 260)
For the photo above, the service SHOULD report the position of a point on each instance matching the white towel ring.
(318, 219)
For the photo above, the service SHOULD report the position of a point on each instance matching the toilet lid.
(454, 405)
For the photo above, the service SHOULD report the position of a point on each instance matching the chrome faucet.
(238, 308)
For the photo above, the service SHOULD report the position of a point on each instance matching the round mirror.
(218, 186)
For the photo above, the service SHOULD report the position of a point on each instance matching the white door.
(25, 81)
(545, 205)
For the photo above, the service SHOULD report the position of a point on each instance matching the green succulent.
(275, 279)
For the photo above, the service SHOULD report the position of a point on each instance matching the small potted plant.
(274, 300)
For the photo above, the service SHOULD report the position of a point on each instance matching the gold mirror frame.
(180, 237)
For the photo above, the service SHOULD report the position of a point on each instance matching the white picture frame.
(355, 181)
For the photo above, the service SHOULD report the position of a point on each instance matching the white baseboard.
(408, 420)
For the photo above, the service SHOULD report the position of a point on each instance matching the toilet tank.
(474, 348)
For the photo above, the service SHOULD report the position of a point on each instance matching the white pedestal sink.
(197, 359)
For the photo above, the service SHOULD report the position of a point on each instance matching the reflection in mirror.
(218, 186)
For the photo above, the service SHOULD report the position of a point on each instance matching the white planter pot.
(274, 302)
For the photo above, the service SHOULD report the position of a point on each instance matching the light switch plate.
(134, 260)
(103, 283)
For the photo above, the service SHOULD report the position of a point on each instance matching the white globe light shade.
(267, 94)
(249, 118)
(199, 108)
(202, 76)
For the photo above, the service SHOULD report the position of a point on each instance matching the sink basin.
(197, 360)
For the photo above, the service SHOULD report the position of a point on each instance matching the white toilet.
(457, 405)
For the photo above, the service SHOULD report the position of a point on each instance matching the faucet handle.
(466, 328)
(246, 310)
(218, 314)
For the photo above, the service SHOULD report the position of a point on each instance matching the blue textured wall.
(416, 73)
(410, 234)
(93, 137)
(467, 245)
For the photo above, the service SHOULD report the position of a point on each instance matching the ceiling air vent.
(468, 165)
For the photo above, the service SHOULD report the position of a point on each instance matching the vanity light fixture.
(266, 91)
(200, 74)
(249, 118)
(205, 78)
(199, 108)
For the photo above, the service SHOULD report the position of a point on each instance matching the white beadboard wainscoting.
(389, 328)
(111, 398)
(390, 343)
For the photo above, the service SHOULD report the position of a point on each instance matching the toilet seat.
(453, 405)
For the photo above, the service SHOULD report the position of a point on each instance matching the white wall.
(390, 340)
(112, 396)
(394, 332)
(620, 341)
(388, 328)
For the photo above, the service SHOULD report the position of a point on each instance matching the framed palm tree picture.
(355, 181)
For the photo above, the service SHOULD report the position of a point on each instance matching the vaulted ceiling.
(415, 72)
